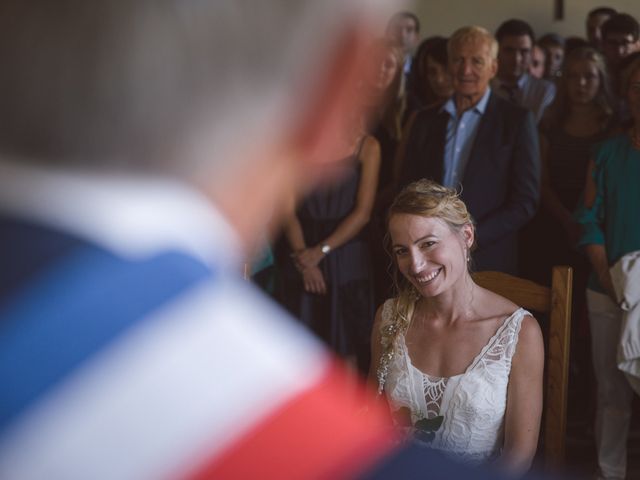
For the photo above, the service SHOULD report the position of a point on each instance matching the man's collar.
(480, 107)
(133, 216)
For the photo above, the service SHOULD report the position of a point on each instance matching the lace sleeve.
(387, 314)
(393, 322)
(388, 329)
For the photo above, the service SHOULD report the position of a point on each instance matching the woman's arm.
(593, 237)
(361, 213)
(524, 400)
(312, 277)
(294, 234)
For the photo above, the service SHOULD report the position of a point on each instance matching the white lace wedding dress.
(473, 403)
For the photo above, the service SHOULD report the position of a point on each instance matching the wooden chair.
(556, 301)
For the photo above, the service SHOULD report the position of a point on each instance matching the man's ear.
(323, 124)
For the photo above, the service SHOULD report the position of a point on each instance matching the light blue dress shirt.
(461, 134)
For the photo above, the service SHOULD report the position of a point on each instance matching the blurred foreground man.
(144, 147)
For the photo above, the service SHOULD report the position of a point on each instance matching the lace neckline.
(474, 362)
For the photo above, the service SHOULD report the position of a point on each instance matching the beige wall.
(442, 17)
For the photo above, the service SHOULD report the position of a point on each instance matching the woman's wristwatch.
(325, 249)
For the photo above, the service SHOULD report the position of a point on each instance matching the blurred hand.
(313, 281)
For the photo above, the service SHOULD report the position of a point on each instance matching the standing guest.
(553, 45)
(580, 117)
(595, 19)
(513, 81)
(620, 38)
(450, 351)
(429, 81)
(144, 146)
(384, 106)
(609, 217)
(328, 284)
(538, 60)
(383, 102)
(404, 29)
(481, 144)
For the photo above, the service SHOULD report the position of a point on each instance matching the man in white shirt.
(513, 81)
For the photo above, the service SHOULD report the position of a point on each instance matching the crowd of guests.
(538, 140)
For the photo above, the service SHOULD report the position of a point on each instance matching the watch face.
(325, 249)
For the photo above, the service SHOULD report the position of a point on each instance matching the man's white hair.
(132, 82)
(473, 33)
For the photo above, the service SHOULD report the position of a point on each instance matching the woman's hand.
(313, 281)
(308, 258)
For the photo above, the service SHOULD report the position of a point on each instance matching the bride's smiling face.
(428, 252)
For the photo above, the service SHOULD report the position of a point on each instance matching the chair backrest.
(556, 301)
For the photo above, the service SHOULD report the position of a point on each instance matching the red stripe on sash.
(317, 434)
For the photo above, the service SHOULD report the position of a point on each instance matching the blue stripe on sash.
(82, 303)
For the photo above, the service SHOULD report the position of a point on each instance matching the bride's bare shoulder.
(493, 305)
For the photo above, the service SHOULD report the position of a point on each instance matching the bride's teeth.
(428, 278)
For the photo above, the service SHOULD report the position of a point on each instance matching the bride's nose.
(418, 262)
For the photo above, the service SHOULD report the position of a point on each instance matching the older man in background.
(482, 145)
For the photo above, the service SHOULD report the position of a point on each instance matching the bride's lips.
(424, 279)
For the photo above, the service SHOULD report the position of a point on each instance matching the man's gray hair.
(133, 82)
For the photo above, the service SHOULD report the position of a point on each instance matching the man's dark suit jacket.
(501, 183)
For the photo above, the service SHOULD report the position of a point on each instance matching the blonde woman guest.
(581, 116)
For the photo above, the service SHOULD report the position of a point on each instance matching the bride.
(460, 365)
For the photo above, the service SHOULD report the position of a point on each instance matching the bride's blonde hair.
(424, 198)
